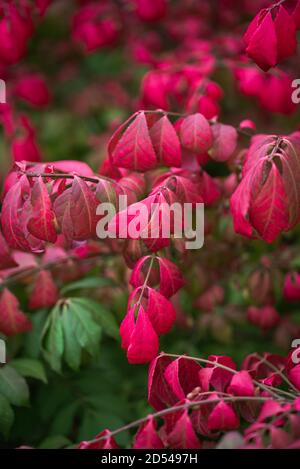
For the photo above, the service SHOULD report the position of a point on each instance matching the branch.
(153, 256)
(184, 406)
(276, 5)
(278, 371)
(226, 368)
(94, 180)
(69, 176)
(28, 271)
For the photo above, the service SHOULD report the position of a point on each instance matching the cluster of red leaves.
(272, 91)
(39, 205)
(16, 28)
(56, 203)
(266, 200)
(150, 312)
(146, 140)
(18, 21)
(198, 404)
(271, 36)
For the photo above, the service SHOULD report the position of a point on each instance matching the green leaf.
(102, 315)
(6, 416)
(52, 339)
(72, 347)
(30, 368)
(90, 424)
(54, 442)
(87, 332)
(88, 282)
(13, 386)
(32, 340)
(69, 329)
(63, 420)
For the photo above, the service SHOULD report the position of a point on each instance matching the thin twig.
(69, 176)
(276, 5)
(28, 271)
(169, 410)
(278, 371)
(146, 279)
(226, 368)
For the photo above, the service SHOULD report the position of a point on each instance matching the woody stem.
(277, 4)
(69, 176)
(146, 279)
(185, 406)
(15, 277)
(226, 368)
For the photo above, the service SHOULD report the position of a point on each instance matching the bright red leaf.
(12, 319)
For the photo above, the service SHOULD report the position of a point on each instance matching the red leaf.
(270, 408)
(225, 142)
(208, 188)
(33, 89)
(261, 40)
(12, 320)
(241, 384)
(151, 10)
(25, 147)
(223, 417)
(296, 15)
(44, 293)
(294, 376)
(160, 311)
(196, 134)
(286, 34)
(220, 377)
(170, 278)
(133, 185)
(143, 346)
(127, 328)
(183, 436)
(297, 407)
(182, 375)
(73, 167)
(291, 290)
(13, 216)
(117, 135)
(61, 207)
(134, 150)
(212, 297)
(265, 317)
(83, 206)
(166, 142)
(6, 259)
(290, 160)
(160, 395)
(279, 438)
(42, 6)
(268, 199)
(147, 437)
(261, 145)
(199, 416)
(240, 202)
(107, 443)
(107, 191)
(268, 211)
(41, 222)
(181, 184)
